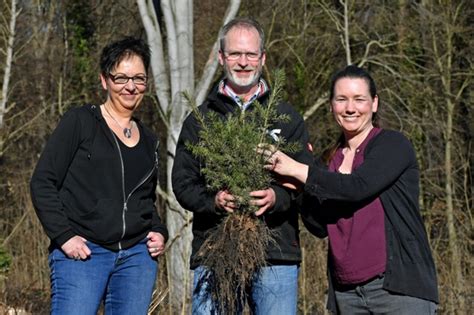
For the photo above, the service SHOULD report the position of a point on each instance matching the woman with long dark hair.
(365, 200)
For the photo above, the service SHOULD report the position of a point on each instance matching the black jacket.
(190, 188)
(77, 186)
(389, 171)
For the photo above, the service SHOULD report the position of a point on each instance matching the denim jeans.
(124, 279)
(274, 290)
(371, 298)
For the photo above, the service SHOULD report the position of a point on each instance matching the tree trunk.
(8, 61)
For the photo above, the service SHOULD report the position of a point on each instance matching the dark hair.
(117, 51)
(352, 72)
(242, 22)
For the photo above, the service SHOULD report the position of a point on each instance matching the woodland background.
(419, 52)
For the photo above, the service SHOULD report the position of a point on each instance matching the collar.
(225, 89)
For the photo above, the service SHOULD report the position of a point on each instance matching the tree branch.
(347, 44)
(320, 101)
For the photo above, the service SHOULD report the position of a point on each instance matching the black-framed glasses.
(121, 78)
(235, 55)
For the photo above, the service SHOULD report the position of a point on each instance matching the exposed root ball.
(233, 253)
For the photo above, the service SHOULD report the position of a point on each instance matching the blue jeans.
(124, 279)
(371, 298)
(274, 290)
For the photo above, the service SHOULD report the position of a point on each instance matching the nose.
(243, 59)
(130, 85)
(350, 106)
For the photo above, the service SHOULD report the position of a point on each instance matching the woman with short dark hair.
(94, 192)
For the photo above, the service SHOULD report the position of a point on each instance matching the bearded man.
(274, 287)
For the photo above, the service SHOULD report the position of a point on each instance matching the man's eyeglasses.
(123, 79)
(235, 55)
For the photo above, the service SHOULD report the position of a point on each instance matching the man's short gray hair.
(245, 23)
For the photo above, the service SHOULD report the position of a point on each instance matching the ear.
(264, 58)
(375, 104)
(103, 81)
(221, 57)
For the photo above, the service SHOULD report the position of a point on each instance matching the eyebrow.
(357, 95)
(121, 73)
(240, 51)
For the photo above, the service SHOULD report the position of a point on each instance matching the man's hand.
(224, 200)
(76, 248)
(155, 244)
(265, 199)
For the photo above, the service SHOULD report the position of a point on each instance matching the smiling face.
(242, 74)
(353, 106)
(129, 95)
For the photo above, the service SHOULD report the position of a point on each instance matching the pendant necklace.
(127, 132)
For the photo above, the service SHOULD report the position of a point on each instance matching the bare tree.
(452, 81)
(173, 73)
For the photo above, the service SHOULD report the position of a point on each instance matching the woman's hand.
(76, 248)
(291, 173)
(155, 244)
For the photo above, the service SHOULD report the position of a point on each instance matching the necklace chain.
(127, 132)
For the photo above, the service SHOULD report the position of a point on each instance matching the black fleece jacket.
(189, 185)
(389, 171)
(77, 186)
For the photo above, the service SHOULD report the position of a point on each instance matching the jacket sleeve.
(49, 174)
(385, 160)
(158, 226)
(189, 184)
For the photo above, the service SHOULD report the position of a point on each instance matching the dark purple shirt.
(357, 243)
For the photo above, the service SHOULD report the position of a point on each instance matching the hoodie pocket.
(103, 223)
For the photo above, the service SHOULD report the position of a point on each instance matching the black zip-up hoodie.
(77, 186)
(190, 188)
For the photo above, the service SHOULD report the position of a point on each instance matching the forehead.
(242, 39)
(130, 63)
(356, 85)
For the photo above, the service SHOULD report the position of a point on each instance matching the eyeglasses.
(235, 55)
(123, 79)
